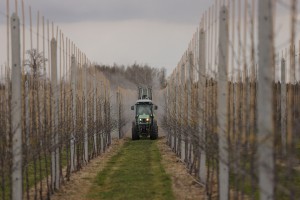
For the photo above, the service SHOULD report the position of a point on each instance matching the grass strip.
(135, 172)
(31, 171)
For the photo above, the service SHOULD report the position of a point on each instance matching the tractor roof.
(144, 101)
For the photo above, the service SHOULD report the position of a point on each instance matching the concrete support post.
(201, 100)
(168, 114)
(86, 145)
(95, 111)
(100, 116)
(182, 111)
(265, 100)
(55, 107)
(222, 105)
(178, 118)
(120, 114)
(74, 94)
(189, 107)
(118, 104)
(187, 104)
(27, 112)
(108, 116)
(172, 102)
(175, 112)
(16, 124)
(283, 107)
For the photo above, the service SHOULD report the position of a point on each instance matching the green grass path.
(135, 172)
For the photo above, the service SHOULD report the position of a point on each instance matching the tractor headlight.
(147, 120)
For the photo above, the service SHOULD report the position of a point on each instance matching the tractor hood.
(144, 118)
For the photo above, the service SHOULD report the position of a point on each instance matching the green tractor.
(144, 124)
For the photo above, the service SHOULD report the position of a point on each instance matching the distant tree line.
(138, 74)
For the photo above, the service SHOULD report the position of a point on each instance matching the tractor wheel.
(154, 133)
(135, 135)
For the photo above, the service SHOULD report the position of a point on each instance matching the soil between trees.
(143, 169)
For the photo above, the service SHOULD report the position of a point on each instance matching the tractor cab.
(144, 124)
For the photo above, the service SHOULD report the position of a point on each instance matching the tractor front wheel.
(154, 132)
(135, 135)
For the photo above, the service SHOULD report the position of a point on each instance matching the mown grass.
(135, 172)
(41, 164)
(285, 183)
(34, 172)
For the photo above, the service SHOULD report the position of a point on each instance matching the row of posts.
(180, 106)
(16, 115)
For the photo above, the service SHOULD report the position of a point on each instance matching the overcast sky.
(154, 32)
(174, 11)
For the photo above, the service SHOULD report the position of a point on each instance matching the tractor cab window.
(143, 110)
